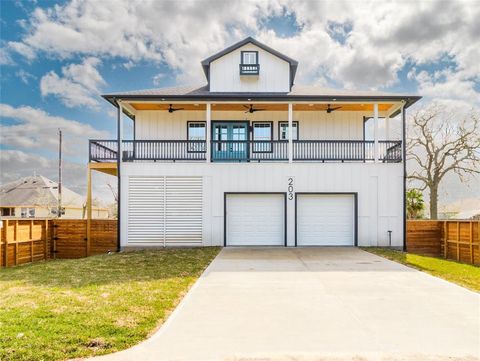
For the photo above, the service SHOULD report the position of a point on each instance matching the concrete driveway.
(316, 304)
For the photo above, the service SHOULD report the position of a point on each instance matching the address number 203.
(290, 189)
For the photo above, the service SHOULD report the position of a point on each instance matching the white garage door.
(255, 220)
(325, 220)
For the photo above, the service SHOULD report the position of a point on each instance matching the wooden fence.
(452, 239)
(24, 241)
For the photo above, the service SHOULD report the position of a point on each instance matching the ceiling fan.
(171, 109)
(330, 109)
(250, 109)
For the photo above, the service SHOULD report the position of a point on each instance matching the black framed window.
(262, 136)
(196, 131)
(283, 130)
(249, 57)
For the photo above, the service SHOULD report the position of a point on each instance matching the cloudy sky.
(57, 57)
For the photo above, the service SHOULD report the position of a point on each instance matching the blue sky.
(57, 57)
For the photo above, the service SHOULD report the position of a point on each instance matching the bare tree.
(439, 143)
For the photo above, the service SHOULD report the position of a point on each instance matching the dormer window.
(249, 63)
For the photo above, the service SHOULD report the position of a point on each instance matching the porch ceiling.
(266, 106)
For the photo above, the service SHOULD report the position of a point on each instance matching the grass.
(64, 309)
(460, 273)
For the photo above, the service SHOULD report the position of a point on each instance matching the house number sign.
(290, 189)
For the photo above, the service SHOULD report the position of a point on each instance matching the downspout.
(404, 158)
(119, 155)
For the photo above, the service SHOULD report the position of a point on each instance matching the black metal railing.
(333, 150)
(164, 150)
(390, 151)
(102, 150)
(248, 150)
(249, 69)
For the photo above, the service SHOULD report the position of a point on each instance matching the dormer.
(251, 67)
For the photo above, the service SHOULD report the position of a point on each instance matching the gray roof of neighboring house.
(37, 191)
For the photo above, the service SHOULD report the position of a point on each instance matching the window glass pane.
(23, 212)
(284, 131)
(196, 131)
(249, 58)
(31, 212)
(262, 133)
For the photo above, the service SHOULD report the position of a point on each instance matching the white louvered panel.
(146, 209)
(183, 210)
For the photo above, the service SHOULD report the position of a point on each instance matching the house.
(37, 197)
(253, 159)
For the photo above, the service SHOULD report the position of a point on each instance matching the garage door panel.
(325, 220)
(255, 220)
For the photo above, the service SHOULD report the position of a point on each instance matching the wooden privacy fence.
(452, 239)
(24, 241)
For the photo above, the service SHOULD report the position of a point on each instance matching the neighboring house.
(252, 159)
(37, 197)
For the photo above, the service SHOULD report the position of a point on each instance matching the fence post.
(45, 241)
(15, 231)
(445, 241)
(32, 223)
(5, 254)
(458, 241)
(471, 242)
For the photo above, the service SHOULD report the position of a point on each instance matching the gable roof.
(37, 191)
(206, 63)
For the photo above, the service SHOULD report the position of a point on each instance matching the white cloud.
(381, 37)
(5, 57)
(23, 49)
(36, 129)
(24, 76)
(77, 86)
(157, 79)
(15, 164)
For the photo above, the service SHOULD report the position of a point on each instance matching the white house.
(253, 159)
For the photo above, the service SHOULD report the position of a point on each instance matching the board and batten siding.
(379, 189)
(313, 125)
(274, 75)
(164, 210)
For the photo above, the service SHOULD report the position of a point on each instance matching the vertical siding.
(379, 188)
(312, 124)
(225, 73)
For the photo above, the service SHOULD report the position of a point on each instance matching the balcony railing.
(246, 151)
(249, 69)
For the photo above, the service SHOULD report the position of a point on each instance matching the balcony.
(247, 151)
(249, 69)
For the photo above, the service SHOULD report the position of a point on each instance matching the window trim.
(188, 135)
(249, 51)
(270, 142)
(286, 122)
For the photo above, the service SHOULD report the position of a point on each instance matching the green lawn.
(463, 274)
(73, 308)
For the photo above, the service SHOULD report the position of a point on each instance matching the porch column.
(375, 132)
(119, 163)
(208, 131)
(89, 207)
(290, 133)
(387, 127)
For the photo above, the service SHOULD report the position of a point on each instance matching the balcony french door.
(230, 141)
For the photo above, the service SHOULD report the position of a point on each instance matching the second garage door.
(255, 220)
(325, 220)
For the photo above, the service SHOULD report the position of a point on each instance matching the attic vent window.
(249, 63)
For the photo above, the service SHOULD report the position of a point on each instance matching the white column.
(387, 127)
(375, 131)
(290, 133)
(208, 132)
(120, 132)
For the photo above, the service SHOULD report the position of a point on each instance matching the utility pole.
(59, 211)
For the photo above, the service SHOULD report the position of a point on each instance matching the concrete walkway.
(315, 304)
